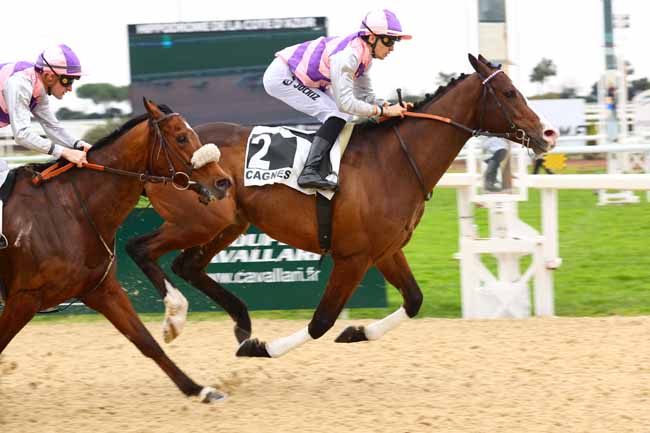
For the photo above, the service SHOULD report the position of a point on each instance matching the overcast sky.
(570, 32)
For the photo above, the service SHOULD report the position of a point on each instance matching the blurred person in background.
(497, 149)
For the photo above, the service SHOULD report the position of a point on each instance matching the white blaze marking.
(175, 313)
(280, 346)
(375, 330)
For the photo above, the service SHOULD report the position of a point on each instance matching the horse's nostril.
(549, 133)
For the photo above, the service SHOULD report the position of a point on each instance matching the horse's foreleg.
(191, 264)
(396, 270)
(19, 308)
(344, 279)
(147, 249)
(111, 300)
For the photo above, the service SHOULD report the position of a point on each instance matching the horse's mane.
(102, 142)
(429, 98)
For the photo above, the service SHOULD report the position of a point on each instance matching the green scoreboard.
(212, 70)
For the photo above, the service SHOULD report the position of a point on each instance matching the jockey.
(24, 90)
(327, 78)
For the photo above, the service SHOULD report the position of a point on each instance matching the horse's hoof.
(352, 334)
(242, 334)
(253, 348)
(170, 330)
(211, 395)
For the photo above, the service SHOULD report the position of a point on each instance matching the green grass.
(605, 251)
(606, 265)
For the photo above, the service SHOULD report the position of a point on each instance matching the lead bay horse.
(381, 201)
(62, 233)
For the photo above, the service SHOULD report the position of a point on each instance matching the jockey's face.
(52, 81)
(381, 50)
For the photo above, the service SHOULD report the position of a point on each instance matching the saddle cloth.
(278, 155)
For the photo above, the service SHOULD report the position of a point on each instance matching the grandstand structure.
(212, 70)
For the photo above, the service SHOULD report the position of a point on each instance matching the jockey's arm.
(363, 90)
(343, 66)
(18, 93)
(53, 128)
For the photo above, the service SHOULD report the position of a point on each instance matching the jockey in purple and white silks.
(24, 90)
(327, 78)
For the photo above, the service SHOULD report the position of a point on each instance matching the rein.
(518, 135)
(179, 179)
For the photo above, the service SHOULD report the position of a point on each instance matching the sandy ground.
(535, 375)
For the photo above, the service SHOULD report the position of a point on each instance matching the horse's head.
(179, 153)
(505, 110)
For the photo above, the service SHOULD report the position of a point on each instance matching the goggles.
(65, 80)
(387, 40)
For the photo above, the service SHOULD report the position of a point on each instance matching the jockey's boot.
(310, 176)
(324, 139)
(3, 240)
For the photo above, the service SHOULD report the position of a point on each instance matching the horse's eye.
(510, 93)
(181, 139)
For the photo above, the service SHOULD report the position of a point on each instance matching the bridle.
(518, 134)
(169, 153)
(179, 179)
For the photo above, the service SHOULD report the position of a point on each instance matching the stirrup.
(3, 242)
(319, 184)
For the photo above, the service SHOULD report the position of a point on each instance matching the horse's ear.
(152, 108)
(483, 59)
(473, 62)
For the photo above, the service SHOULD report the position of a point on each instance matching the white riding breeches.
(280, 83)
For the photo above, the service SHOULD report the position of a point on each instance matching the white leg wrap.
(280, 346)
(205, 154)
(376, 330)
(175, 313)
(209, 394)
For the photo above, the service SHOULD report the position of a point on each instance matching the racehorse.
(386, 173)
(62, 233)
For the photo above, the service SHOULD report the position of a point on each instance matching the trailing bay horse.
(62, 233)
(386, 172)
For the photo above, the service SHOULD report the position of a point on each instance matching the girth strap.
(324, 218)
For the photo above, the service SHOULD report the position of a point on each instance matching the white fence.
(507, 294)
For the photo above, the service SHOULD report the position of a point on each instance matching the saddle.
(8, 186)
(5, 191)
(278, 154)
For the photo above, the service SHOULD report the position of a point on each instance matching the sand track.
(537, 375)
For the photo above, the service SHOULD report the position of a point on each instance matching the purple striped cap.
(383, 22)
(61, 59)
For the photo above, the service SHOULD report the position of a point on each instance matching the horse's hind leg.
(20, 307)
(344, 279)
(190, 265)
(396, 270)
(112, 302)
